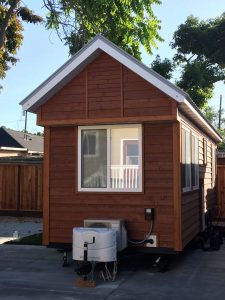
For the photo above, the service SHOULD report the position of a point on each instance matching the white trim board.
(86, 55)
(82, 58)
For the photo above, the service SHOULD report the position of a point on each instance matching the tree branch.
(5, 22)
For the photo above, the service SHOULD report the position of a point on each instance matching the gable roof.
(92, 50)
(15, 139)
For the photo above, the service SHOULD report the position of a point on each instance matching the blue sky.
(42, 53)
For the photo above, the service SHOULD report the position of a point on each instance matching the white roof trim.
(198, 118)
(35, 99)
(149, 75)
(87, 54)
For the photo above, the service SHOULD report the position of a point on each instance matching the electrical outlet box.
(149, 214)
(152, 241)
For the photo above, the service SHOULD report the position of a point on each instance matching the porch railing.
(124, 176)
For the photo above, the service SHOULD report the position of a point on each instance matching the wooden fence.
(21, 188)
(221, 190)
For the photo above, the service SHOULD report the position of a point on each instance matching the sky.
(42, 53)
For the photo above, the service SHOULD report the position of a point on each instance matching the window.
(186, 160)
(109, 158)
(205, 151)
(190, 160)
(130, 152)
(195, 163)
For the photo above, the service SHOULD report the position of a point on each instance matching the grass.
(34, 239)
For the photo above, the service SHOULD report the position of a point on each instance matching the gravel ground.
(11, 226)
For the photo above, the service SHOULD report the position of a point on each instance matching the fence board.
(21, 187)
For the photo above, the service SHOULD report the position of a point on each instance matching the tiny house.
(121, 141)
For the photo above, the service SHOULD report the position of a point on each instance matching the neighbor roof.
(92, 50)
(15, 139)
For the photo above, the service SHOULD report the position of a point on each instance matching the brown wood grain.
(46, 202)
(68, 208)
(20, 188)
(177, 187)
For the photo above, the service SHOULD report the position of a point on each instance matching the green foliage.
(127, 23)
(205, 39)
(11, 31)
(200, 58)
(200, 47)
(213, 117)
(163, 67)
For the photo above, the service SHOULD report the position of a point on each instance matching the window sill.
(110, 192)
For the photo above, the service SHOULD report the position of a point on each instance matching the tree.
(128, 24)
(200, 47)
(202, 39)
(213, 117)
(163, 67)
(12, 14)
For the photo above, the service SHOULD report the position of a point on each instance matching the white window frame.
(108, 188)
(187, 188)
(195, 187)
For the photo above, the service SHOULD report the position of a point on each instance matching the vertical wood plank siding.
(193, 203)
(21, 187)
(68, 208)
(106, 89)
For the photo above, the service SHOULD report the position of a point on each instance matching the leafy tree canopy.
(213, 117)
(163, 67)
(204, 39)
(127, 23)
(200, 48)
(12, 13)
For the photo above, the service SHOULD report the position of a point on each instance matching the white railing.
(124, 176)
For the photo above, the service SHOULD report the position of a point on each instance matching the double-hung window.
(110, 158)
(195, 162)
(190, 160)
(186, 160)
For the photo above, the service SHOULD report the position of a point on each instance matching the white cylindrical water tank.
(104, 248)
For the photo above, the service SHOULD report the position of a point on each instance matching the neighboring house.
(17, 143)
(120, 139)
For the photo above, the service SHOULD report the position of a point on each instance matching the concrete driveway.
(34, 272)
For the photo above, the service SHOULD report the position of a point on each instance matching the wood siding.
(194, 203)
(221, 189)
(21, 188)
(68, 208)
(106, 92)
(105, 89)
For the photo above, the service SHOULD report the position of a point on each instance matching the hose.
(145, 239)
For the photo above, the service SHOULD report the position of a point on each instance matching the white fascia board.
(203, 121)
(131, 64)
(119, 55)
(26, 104)
(13, 149)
